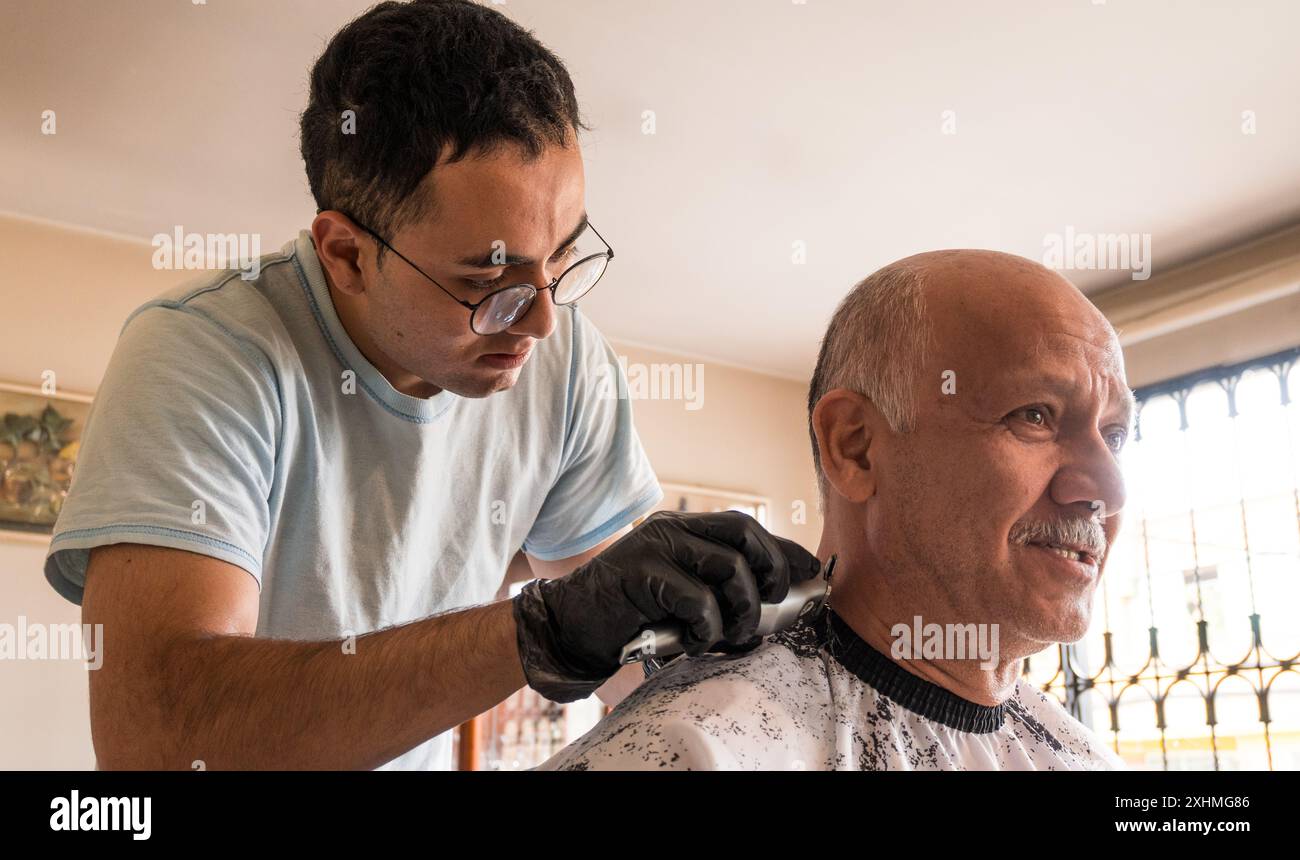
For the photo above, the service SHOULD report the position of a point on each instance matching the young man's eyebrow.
(489, 261)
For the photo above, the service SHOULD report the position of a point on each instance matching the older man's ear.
(845, 423)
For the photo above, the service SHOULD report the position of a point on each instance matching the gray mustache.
(1075, 532)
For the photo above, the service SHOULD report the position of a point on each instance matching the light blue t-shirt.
(226, 425)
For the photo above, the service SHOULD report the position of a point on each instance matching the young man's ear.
(340, 245)
(844, 422)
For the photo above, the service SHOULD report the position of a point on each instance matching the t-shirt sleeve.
(178, 449)
(605, 480)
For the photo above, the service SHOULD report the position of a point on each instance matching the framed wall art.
(39, 437)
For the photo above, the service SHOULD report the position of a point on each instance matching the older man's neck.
(873, 616)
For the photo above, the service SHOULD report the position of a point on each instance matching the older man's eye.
(1032, 414)
(1116, 439)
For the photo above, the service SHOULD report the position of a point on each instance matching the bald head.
(995, 303)
(928, 310)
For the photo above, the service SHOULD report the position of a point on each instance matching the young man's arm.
(184, 681)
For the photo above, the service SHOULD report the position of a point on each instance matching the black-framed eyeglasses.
(501, 309)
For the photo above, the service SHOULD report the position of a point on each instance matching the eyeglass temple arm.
(455, 298)
(602, 238)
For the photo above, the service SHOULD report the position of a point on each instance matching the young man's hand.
(708, 573)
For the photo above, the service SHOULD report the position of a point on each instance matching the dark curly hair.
(419, 77)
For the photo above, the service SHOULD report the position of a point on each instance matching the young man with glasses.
(291, 486)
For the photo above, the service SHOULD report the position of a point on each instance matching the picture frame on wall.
(39, 438)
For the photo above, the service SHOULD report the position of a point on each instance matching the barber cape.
(818, 697)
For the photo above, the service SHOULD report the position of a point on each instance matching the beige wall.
(66, 293)
(45, 724)
(749, 435)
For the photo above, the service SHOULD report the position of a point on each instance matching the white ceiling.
(777, 121)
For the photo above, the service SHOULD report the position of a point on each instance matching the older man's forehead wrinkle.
(1100, 386)
(1097, 348)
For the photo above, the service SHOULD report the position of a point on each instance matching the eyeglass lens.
(503, 309)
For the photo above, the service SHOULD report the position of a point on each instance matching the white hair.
(875, 345)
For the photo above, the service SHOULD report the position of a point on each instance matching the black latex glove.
(707, 573)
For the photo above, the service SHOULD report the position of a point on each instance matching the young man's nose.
(539, 321)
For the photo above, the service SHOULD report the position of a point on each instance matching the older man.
(967, 411)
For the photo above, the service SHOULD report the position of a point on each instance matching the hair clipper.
(803, 599)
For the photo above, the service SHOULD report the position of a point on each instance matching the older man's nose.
(1090, 478)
